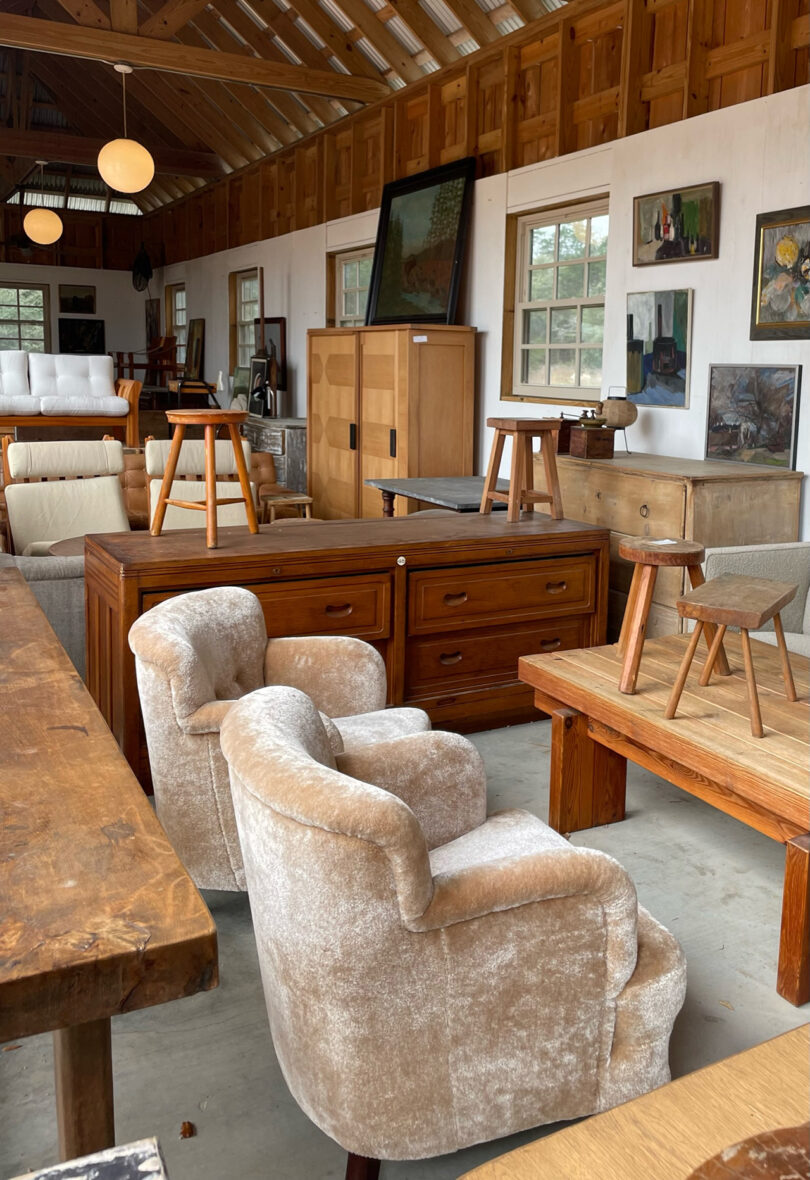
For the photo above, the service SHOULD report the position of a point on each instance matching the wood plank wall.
(107, 242)
(583, 75)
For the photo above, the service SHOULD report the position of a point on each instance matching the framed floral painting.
(780, 302)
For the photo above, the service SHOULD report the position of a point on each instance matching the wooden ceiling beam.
(77, 149)
(86, 13)
(426, 31)
(337, 42)
(474, 19)
(124, 15)
(383, 40)
(171, 17)
(44, 36)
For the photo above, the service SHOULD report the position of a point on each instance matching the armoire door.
(332, 425)
(383, 414)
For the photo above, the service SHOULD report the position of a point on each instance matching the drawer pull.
(453, 657)
(455, 599)
(644, 511)
(339, 612)
(556, 587)
(550, 644)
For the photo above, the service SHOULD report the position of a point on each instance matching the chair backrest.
(68, 375)
(190, 485)
(788, 561)
(14, 374)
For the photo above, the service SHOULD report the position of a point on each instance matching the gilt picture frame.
(780, 296)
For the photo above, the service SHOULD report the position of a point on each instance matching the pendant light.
(124, 164)
(43, 226)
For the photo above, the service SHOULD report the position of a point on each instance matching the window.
(352, 276)
(244, 309)
(176, 317)
(560, 304)
(24, 319)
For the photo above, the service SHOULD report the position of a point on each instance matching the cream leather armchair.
(194, 656)
(434, 982)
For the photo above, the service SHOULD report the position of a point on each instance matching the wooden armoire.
(386, 402)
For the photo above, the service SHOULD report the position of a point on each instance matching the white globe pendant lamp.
(42, 225)
(125, 165)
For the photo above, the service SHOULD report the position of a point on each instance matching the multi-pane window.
(353, 275)
(560, 304)
(176, 317)
(24, 322)
(247, 310)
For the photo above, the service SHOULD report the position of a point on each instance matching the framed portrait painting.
(677, 225)
(419, 251)
(753, 414)
(780, 299)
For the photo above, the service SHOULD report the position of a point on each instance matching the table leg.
(84, 1088)
(793, 978)
(388, 503)
(587, 780)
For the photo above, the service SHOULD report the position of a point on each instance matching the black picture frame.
(761, 416)
(792, 273)
(421, 286)
(77, 299)
(82, 337)
(269, 334)
(257, 391)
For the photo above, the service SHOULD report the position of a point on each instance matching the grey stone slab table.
(131, 1161)
(462, 493)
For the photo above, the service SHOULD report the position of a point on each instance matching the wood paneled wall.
(107, 242)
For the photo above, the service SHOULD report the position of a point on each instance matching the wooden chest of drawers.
(450, 602)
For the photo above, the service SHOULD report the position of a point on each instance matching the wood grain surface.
(666, 1134)
(98, 915)
(737, 601)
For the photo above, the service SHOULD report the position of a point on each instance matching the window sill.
(550, 398)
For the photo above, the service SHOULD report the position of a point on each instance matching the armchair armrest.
(340, 674)
(210, 716)
(130, 389)
(439, 775)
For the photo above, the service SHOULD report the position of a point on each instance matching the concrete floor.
(713, 882)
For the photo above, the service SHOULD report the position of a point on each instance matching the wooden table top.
(711, 733)
(98, 915)
(668, 1133)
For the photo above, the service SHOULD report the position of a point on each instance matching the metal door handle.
(392, 443)
(352, 436)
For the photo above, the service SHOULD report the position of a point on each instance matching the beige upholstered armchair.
(434, 979)
(194, 656)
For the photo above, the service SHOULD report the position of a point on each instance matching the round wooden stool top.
(652, 551)
(206, 417)
(525, 425)
(783, 1152)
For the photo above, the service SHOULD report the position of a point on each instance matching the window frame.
(46, 308)
(172, 326)
(335, 289)
(236, 306)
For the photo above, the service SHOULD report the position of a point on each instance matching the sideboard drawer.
(480, 596)
(447, 662)
(634, 504)
(334, 606)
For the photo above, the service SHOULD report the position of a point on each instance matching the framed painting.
(419, 251)
(659, 331)
(780, 300)
(753, 414)
(271, 341)
(83, 337)
(257, 393)
(677, 225)
(76, 299)
(195, 351)
(152, 316)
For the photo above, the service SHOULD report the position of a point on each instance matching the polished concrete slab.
(209, 1060)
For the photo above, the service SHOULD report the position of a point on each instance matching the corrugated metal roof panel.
(443, 16)
(337, 15)
(403, 34)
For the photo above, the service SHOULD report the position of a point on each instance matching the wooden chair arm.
(129, 388)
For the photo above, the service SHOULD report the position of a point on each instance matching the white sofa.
(60, 389)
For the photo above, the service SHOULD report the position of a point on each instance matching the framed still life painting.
(659, 329)
(677, 225)
(419, 251)
(753, 414)
(780, 300)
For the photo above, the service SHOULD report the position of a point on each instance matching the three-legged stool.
(211, 420)
(649, 555)
(521, 476)
(730, 600)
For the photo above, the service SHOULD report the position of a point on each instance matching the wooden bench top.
(98, 915)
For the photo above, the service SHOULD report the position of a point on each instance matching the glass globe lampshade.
(125, 165)
(43, 226)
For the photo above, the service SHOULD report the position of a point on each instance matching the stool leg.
(751, 680)
(244, 478)
(168, 479)
(624, 634)
(210, 487)
(515, 480)
(637, 629)
(548, 449)
(683, 672)
(528, 470)
(307, 512)
(787, 674)
(491, 481)
(716, 644)
(721, 662)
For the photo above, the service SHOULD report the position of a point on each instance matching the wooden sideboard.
(713, 502)
(450, 602)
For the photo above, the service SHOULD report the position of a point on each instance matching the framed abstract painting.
(780, 299)
(659, 329)
(677, 225)
(753, 414)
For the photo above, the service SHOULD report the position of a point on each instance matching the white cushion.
(192, 456)
(14, 375)
(108, 407)
(18, 403)
(61, 374)
(64, 460)
(64, 508)
(192, 489)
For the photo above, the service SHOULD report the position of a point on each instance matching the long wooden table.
(708, 750)
(98, 915)
(668, 1133)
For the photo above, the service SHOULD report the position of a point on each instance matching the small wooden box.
(564, 437)
(592, 442)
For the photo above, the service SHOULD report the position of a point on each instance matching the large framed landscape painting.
(659, 329)
(753, 414)
(677, 225)
(420, 246)
(780, 300)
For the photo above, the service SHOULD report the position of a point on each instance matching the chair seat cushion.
(106, 407)
(519, 831)
(380, 726)
(21, 403)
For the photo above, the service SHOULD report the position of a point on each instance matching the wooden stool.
(270, 501)
(734, 601)
(649, 554)
(211, 420)
(521, 477)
